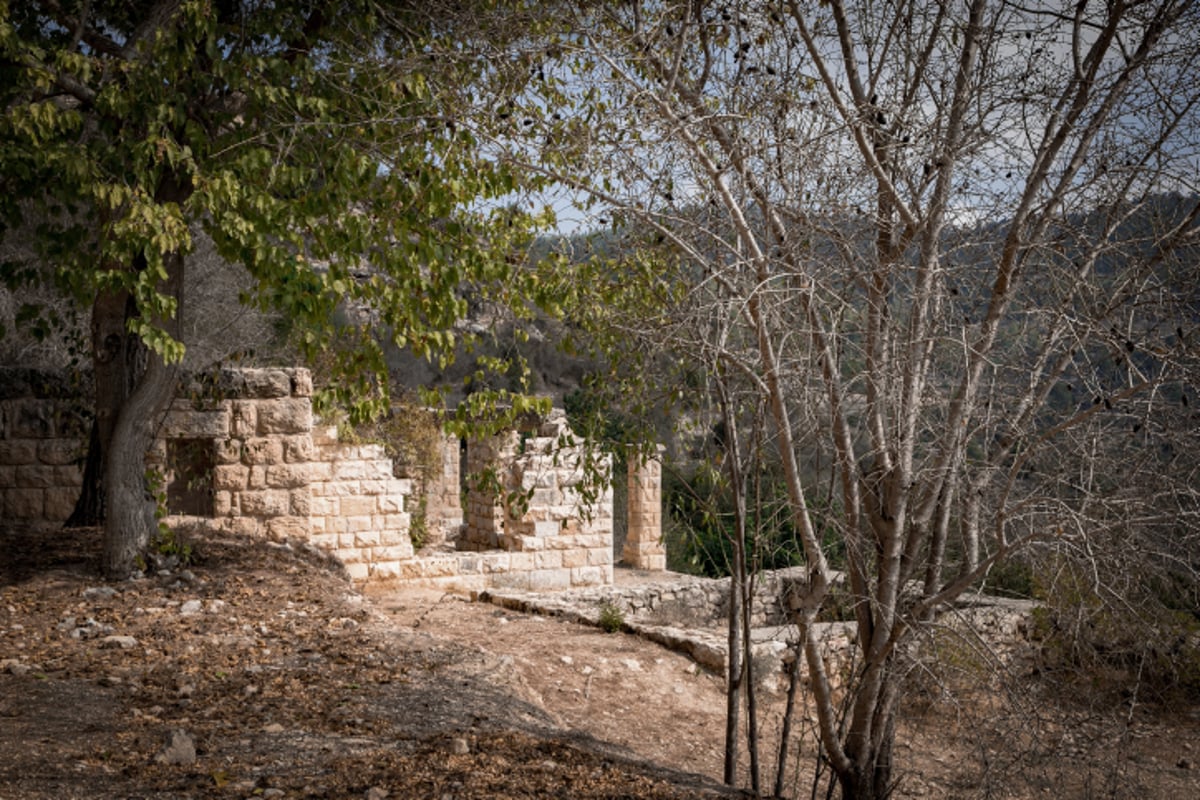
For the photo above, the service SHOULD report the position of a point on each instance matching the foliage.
(612, 618)
(1132, 643)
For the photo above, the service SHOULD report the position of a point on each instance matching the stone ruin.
(240, 452)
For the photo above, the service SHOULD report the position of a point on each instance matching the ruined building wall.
(240, 452)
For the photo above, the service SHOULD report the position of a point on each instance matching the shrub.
(612, 618)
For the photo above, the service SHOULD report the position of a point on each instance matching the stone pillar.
(644, 548)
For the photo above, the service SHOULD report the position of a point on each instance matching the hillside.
(284, 682)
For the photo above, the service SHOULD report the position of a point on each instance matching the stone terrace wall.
(42, 445)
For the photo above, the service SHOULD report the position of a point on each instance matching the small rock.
(567, 660)
(632, 664)
(14, 667)
(377, 793)
(122, 642)
(274, 727)
(99, 593)
(692, 668)
(191, 607)
(273, 793)
(1183, 763)
(459, 746)
(180, 749)
(215, 606)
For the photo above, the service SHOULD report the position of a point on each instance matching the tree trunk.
(118, 360)
(129, 518)
(129, 523)
(871, 776)
(733, 683)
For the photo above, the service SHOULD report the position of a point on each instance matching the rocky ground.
(257, 671)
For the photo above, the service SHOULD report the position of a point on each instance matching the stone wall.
(527, 497)
(240, 452)
(277, 474)
(42, 437)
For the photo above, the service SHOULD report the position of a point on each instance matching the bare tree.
(949, 245)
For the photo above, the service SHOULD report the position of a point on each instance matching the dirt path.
(617, 688)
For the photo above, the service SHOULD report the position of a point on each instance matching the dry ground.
(290, 684)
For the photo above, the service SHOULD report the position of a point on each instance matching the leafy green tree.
(315, 142)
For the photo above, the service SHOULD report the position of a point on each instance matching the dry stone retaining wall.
(42, 437)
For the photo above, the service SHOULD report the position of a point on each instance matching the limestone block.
(285, 415)
(357, 571)
(512, 580)
(357, 505)
(243, 418)
(267, 383)
(398, 522)
(587, 576)
(228, 450)
(258, 477)
(241, 526)
(59, 503)
(394, 552)
(31, 419)
(346, 550)
(320, 471)
(23, 503)
(599, 556)
(288, 527)
(18, 451)
(390, 503)
(574, 558)
(320, 506)
(298, 449)
(35, 476)
(358, 523)
(191, 424)
(287, 476)
(59, 452)
(300, 502)
(548, 559)
(302, 385)
(336, 525)
(547, 528)
(328, 541)
(521, 561)
(223, 504)
(550, 580)
(366, 538)
(260, 450)
(375, 487)
(230, 477)
(265, 503)
(374, 470)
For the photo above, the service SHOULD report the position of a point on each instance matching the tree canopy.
(316, 143)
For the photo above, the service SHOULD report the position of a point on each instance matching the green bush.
(612, 618)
